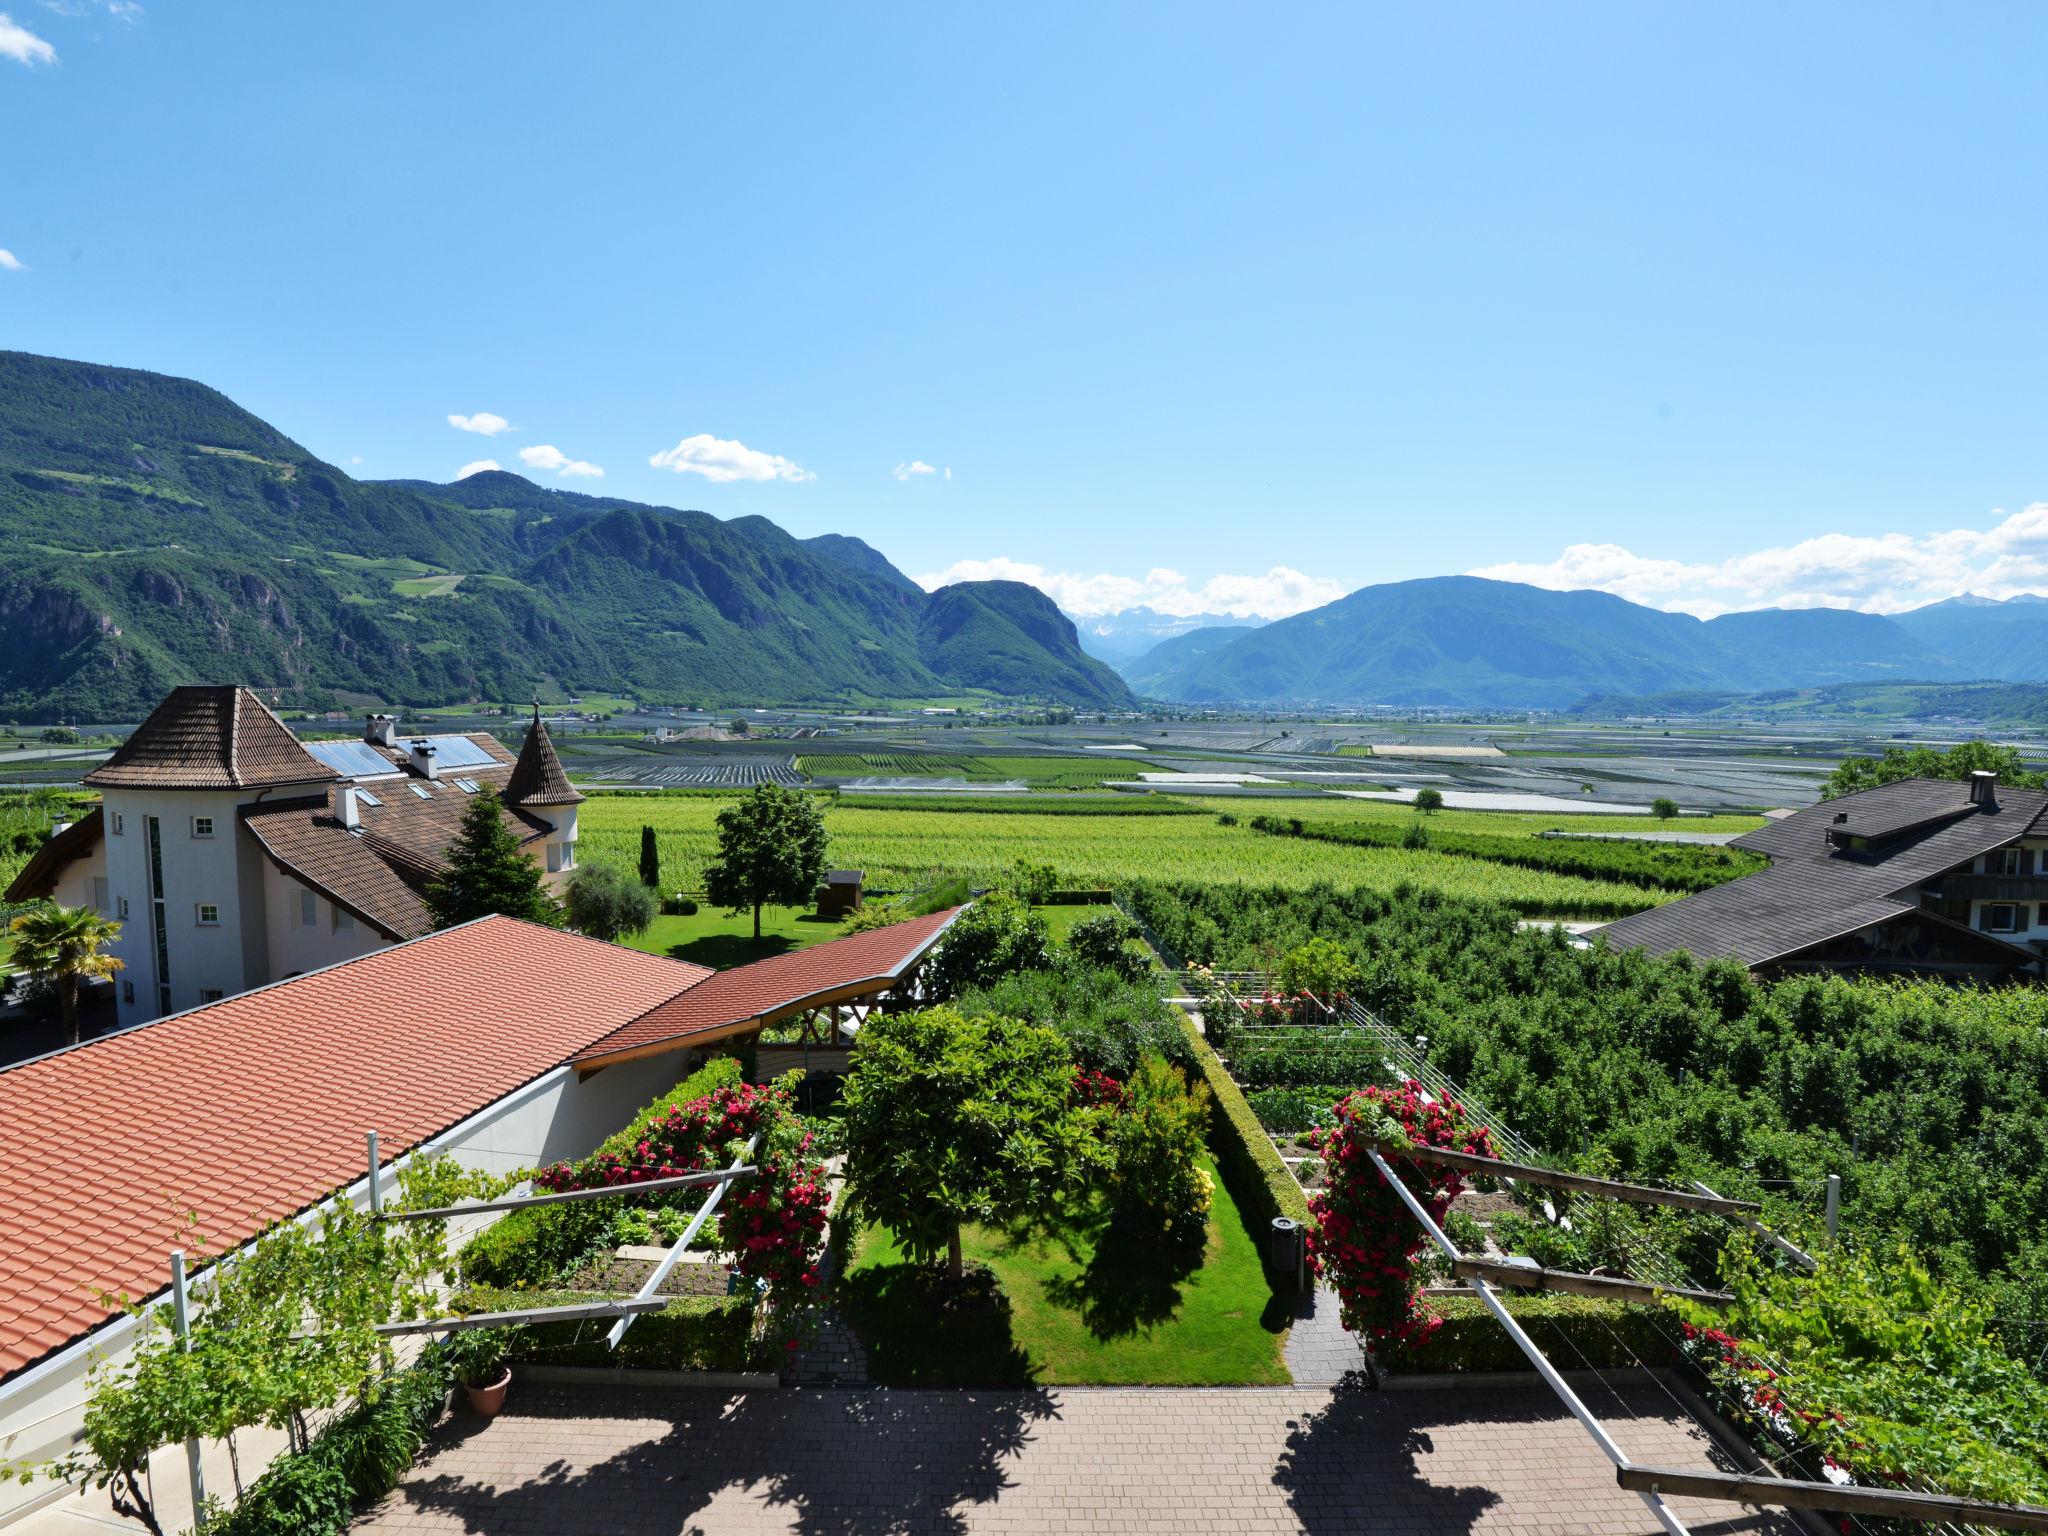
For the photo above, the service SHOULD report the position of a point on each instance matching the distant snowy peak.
(1131, 632)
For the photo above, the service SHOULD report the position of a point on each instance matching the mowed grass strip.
(1084, 1310)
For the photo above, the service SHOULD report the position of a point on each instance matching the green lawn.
(1060, 919)
(714, 938)
(1079, 1314)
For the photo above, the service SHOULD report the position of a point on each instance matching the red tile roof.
(210, 738)
(379, 874)
(248, 1110)
(771, 988)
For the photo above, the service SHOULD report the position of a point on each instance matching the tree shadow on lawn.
(1131, 1281)
(919, 1331)
(723, 951)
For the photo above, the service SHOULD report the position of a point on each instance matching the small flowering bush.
(1096, 1090)
(1363, 1239)
(773, 1221)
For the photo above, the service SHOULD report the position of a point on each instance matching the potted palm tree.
(478, 1357)
(64, 945)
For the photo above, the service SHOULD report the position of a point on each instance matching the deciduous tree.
(771, 848)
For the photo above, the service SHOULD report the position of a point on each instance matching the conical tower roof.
(537, 778)
(211, 738)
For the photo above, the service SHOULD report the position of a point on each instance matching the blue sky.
(1710, 305)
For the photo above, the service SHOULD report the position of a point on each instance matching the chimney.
(423, 759)
(381, 730)
(1984, 789)
(351, 815)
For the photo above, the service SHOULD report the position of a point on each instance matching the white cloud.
(1873, 573)
(129, 11)
(723, 460)
(9, 262)
(477, 467)
(21, 45)
(355, 458)
(548, 456)
(915, 468)
(485, 423)
(1278, 593)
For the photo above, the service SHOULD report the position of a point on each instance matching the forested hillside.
(152, 532)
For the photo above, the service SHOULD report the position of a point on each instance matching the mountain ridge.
(154, 532)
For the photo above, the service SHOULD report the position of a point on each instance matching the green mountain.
(1003, 635)
(152, 532)
(1464, 642)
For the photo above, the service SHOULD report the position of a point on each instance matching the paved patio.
(834, 1462)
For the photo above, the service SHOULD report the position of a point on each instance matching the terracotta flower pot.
(488, 1400)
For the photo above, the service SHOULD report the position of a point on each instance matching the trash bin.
(1286, 1249)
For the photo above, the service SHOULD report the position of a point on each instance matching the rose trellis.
(1363, 1239)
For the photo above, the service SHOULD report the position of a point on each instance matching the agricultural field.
(1038, 772)
(902, 849)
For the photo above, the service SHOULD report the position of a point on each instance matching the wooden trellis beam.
(1639, 1194)
(1531, 1277)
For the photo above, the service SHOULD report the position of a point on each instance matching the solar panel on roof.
(352, 759)
(459, 752)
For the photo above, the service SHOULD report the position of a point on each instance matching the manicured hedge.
(1573, 1331)
(357, 1459)
(692, 1333)
(1258, 1181)
(542, 1245)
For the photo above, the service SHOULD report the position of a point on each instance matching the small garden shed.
(839, 896)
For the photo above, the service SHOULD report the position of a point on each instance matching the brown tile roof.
(1814, 892)
(538, 778)
(380, 873)
(38, 877)
(775, 987)
(210, 738)
(246, 1111)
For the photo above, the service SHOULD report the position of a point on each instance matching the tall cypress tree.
(650, 860)
(488, 872)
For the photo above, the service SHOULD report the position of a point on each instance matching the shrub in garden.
(1363, 1239)
(1322, 968)
(1158, 1188)
(773, 1221)
(1104, 944)
(953, 1118)
(996, 937)
(607, 903)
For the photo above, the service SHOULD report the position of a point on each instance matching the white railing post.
(652, 1287)
(376, 1178)
(181, 1315)
(1834, 1204)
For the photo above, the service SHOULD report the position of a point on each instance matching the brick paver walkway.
(1319, 1351)
(696, 1462)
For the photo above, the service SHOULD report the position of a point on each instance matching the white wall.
(294, 948)
(553, 1118)
(226, 870)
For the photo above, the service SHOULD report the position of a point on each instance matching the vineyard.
(901, 847)
(1931, 1101)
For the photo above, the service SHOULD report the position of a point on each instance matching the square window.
(309, 909)
(343, 921)
(209, 915)
(2001, 917)
(119, 823)
(127, 991)
(210, 995)
(123, 901)
(202, 826)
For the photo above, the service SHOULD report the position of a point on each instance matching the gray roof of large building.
(1815, 891)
